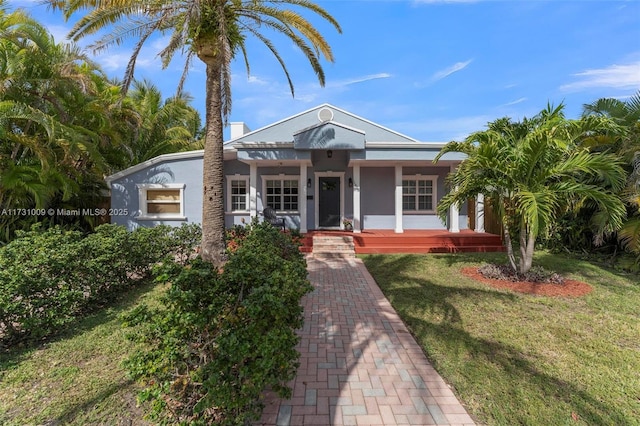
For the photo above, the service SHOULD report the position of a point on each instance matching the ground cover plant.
(523, 359)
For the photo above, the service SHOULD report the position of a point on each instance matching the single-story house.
(317, 169)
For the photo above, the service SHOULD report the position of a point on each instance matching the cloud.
(614, 76)
(362, 79)
(517, 101)
(444, 1)
(450, 70)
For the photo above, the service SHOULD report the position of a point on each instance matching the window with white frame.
(281, 192)
(238, 193)
(419, 193)
(161, 201)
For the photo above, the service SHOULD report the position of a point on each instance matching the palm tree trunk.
(213, 227)
(507, 240)
(527, 243)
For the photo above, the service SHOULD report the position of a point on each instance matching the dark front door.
(329, 202)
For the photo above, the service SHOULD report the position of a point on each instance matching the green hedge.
(50, 277)
(222, 338)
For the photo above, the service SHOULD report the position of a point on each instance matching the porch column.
(454, 210)
(356, 199)
(253, 191)
(302, 203)
(480, 213)
(398, 200)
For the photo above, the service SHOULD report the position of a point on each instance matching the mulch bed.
(570, 288)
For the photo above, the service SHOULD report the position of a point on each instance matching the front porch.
(413, 241)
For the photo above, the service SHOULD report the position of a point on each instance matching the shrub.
(50, 277)
(221, 338)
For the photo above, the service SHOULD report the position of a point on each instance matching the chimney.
(238, 129)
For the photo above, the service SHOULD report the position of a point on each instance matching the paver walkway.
(359, 365)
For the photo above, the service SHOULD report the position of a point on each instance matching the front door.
(329, 202)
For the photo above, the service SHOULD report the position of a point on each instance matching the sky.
(435, 70)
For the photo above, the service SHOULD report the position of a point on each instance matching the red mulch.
(570, 288)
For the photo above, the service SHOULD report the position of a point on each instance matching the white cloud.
(517, 101)
(614, 76)
(362, 79)
(443, 1)
(450, 70)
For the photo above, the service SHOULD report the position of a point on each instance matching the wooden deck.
(414, 241)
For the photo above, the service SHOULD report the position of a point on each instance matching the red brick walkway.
(359, 365)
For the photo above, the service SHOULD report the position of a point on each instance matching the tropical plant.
(533, 171)
(164, 127)
(625, 142)
(214, 31)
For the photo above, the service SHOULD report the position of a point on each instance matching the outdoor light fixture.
(329, 154)
(309, 183)
(350, 183)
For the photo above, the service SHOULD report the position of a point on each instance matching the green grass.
(520, 359)
(77, 377)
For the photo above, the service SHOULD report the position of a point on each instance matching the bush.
(50, 277)
(221, 338)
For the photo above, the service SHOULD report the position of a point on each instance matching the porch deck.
(413, 241)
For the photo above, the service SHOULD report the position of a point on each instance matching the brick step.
(334, 255)
(333, 247)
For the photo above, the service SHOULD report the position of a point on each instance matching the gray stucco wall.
(125, 194)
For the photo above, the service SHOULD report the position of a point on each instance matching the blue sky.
(433, 70)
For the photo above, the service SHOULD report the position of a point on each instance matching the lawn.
(77, 377)
(522, 359)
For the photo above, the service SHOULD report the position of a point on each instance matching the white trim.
(280, 177)
(302, 201)
(237, 177)
(142, 200)
(434, 193)
(318, 175)
(357, 225)
(253, 190)
(398, 200)
(413, 145)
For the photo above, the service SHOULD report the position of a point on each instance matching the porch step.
(333, 247)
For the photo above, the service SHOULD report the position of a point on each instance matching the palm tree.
(214, 31)
(625, 142)
(164, 127)
(534, 170)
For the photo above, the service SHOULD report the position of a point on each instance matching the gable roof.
(285, 129)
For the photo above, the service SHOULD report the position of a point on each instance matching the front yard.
(520, 359)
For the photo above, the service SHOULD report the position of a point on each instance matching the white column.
(357, 226)
(480, 213)
(454, 218)
(253, 191)
(302, 202)
(398, 200)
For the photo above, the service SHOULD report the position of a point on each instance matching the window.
(237, 193)
(161, 201)
(418, 193)
(281, 192)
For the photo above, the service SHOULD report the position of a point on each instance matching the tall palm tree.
(214, 31)
(534, 170)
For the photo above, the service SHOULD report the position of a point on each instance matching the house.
(317, 169)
